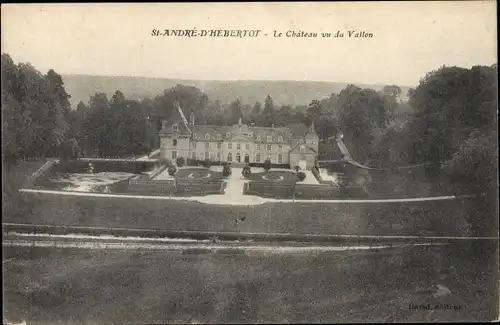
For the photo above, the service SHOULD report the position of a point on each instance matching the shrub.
(180, 161)
(297, 168)
(246, 171)
(267, 164)
(301, 176)
(172, 170)
(226, 171)
(207, 163)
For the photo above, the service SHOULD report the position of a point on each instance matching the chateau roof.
(290, 134)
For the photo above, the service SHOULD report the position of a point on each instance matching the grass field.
(68, 286)
(428, 218)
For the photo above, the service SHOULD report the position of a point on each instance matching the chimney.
(191, 119)
(163, 124)
(272, 125)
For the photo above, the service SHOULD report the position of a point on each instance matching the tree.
(392, 90)
(81, 107)
(268, 105)
(267, 165)
(235, 111)
(118, 97)
(257, 107)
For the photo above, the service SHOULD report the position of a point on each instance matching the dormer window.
(228, 134)
(302, 148)
(175, 127)
(259, 138)
(219, 137)
(280, 139)
(269, 138)
(195, 136)
(207, 136)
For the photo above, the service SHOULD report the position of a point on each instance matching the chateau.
(295, 145)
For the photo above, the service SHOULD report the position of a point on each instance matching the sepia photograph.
(253, 162)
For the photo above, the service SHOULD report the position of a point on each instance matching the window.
(247, 146)
(207, 145)
(219, 137)
(302, 148)
(280, 147)
(229, 157)
(207, 136)
(174, 142)
(269, 147)
(174, 154)
(280, 139)
(195, 136)
(175, 127)
(258, 147)
(238, 146)
(238, 157)
(219, 145)
(194, 144)
(280, 159)
(257, 157)
(230, 145)
(218, 156)
(269, 138)
(193, 155)
(207, 155)
(259, 138)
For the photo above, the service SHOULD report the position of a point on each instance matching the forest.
(450, 119)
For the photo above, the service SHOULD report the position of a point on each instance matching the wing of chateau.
(295, 145)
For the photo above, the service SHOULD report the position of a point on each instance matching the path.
(237, 199)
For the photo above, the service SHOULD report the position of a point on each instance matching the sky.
(409, 39)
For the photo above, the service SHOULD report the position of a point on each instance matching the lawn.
(284, 177)
(425, 218)
(68, 286)
(193, 174)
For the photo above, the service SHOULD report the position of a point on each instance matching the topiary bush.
(226, 171)
(301, 176)
(180, 162)
(172, 170)
(297, 168)
(246, 172)
(267, 164)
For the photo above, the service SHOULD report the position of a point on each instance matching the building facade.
(296, 145)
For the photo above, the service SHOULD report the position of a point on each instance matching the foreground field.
(49, 286)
